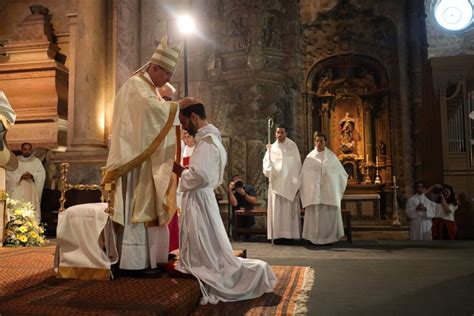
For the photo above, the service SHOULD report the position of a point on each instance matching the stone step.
(378, 228)
(379, 235)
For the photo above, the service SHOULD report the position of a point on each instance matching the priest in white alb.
(27, 181)
(420, 210)
(205, 249)
(282, 166)
(323, 182)
(145, 130)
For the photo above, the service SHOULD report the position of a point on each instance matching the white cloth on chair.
(86, 242)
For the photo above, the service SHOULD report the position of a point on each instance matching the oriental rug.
(28, 286)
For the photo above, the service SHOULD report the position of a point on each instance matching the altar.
(362, 206)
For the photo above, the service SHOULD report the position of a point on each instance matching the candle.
(367, 158)
(394, 179)
(376, 160)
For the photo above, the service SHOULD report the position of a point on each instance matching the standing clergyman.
(27, 181)
(142, 152)
(282, 165)
(323, 182)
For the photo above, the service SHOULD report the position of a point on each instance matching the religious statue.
(271, 36)
(347, 125)
(382, 148)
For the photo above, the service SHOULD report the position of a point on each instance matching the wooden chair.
(107, 191)
(86, 241)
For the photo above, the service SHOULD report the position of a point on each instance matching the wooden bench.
(237, 230)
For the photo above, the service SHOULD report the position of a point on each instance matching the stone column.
(89, 79)
(368, 131)
(72, 21)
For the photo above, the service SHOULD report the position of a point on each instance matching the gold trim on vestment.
(84, 273)
(113, 175)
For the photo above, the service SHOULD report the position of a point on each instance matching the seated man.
(242, 196)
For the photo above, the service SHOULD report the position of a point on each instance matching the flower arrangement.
(22, 228)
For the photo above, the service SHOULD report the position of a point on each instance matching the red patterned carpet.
(28, 287)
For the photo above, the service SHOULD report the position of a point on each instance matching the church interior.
(390, 83)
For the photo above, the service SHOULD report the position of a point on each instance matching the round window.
(453, 15)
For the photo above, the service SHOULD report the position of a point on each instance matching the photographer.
(242, 196)
(444, 226)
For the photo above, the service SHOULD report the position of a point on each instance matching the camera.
(438, 189)
(239, 184)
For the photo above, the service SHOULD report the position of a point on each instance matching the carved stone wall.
(254, 72)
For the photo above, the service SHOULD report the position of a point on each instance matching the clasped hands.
(27, 176)
(421, 207)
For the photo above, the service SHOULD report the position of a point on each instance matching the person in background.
(282, 166)
(27, 181)
(323, 182)
(420, 210)
(167, 92)
(444, 226)
(242, 196)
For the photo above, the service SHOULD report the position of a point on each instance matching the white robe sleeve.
(273, 166)
(410, 208)
(430, 207)
(200, 175)
(39, 175)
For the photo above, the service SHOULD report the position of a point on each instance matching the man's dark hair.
(452, 198)
(283, 126)
(24, 144)
(235, 175)
(198, 109)
(316, 134)
(417, 183)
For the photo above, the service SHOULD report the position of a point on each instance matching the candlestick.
(395, 215)
(377, 176)
(367, 158)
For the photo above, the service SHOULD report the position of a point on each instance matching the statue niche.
(348, 106)
(347, 125)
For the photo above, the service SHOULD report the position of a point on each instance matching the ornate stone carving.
(272, 30)
(255, 153)
(234, 63)
(239, 155)
(347, 28)
(237, 31)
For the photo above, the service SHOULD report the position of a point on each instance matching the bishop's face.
(159, 75)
